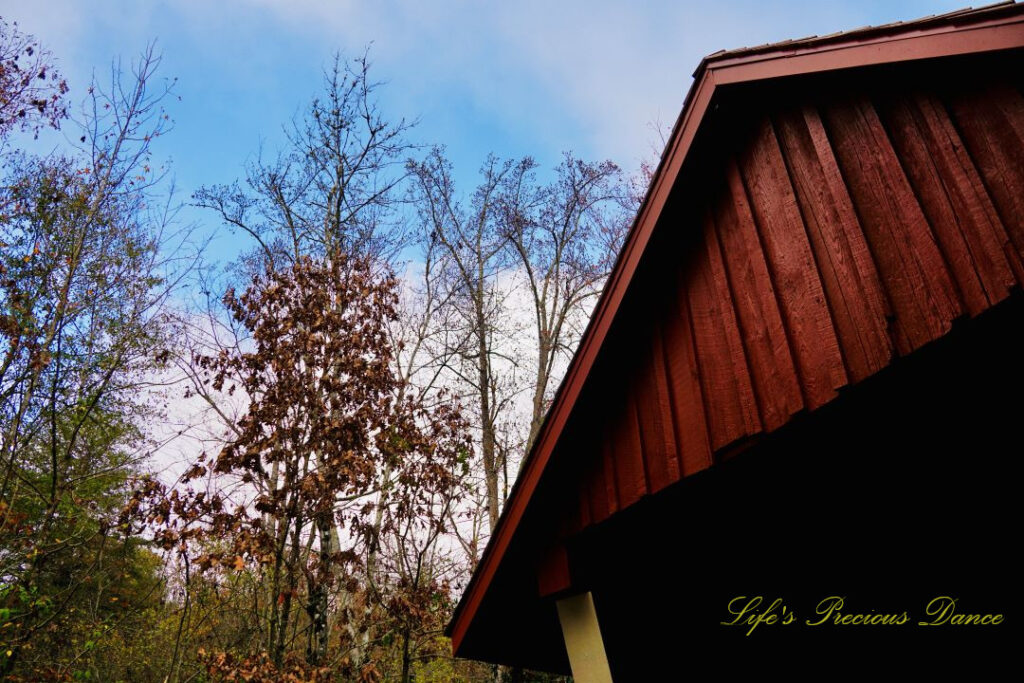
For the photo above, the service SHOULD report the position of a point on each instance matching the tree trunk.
(320, 634)
(544, 351)
(406, 661)
(486, 421)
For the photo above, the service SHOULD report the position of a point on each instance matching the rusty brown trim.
(989, 37)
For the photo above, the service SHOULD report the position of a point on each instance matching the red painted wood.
(639, 484)
(923, 296)
(851, 281)
(725, 378)
(991, 122)
(753, 293)
(553, 572)
(998, 265)
(663, 397)
(808, 320)
(817, 57)
(630, 479)
(655, 418)
(948, 199)
(684, 385)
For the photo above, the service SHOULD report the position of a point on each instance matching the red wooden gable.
(841, 233)
(823, 207)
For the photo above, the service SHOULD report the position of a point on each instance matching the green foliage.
(81, 328)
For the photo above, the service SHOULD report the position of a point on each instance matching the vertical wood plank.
(999, 265)
(553, 574)
(923, 296)
(753, 291)
(655, 417)
(991, 123)
(630, 478)
(839, 237)
(960, 215)
(684, 385)
(851, 281)
(791, 262)
(663, 396)
(725, 378)
(585, 487)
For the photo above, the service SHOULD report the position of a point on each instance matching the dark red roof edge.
(990, 28)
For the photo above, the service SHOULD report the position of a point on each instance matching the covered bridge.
(803, 381)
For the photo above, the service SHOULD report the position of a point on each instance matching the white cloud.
(569, 74)
(589, 76)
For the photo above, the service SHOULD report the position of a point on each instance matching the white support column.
(583, 639)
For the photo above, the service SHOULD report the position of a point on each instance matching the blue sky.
(513, 77)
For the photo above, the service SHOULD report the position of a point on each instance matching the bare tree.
(334, 187)
(565, 237)
(473, 257)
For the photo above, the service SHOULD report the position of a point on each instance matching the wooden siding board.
(785, 263)
(986, 236)
(791, 262)
(851, 281)
(553, 573)
(630, 478)
(655, 417)
(991, 124)
(663, 380)
(637, 486)
(924, 298)
(753, 293)
(725, 378)
(949, 198)
(684, 385)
